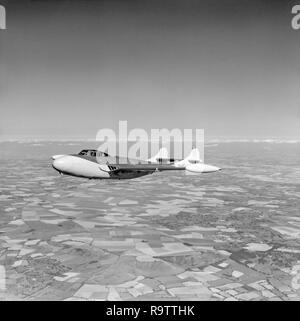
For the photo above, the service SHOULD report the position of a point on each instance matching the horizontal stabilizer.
(201, 168)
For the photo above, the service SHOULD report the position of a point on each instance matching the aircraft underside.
(119, 175)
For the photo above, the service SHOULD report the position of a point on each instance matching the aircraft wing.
(134, 170)
(141, 167)
(128, 171)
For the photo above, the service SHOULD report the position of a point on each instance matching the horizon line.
(208, 139)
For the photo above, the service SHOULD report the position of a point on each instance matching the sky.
(70, 68)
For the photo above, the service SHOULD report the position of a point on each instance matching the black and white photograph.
(150, 151)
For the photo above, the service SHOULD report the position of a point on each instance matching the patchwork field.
(230, 235)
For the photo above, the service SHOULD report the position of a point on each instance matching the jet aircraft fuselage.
(95, 164)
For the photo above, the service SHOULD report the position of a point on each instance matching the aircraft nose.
(62, 164)
(56, 156)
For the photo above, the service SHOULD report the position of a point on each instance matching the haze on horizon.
(69, 69)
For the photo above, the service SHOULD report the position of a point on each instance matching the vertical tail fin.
(192, 158)
(162, 154)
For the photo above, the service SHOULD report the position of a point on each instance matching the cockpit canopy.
(93, 153)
